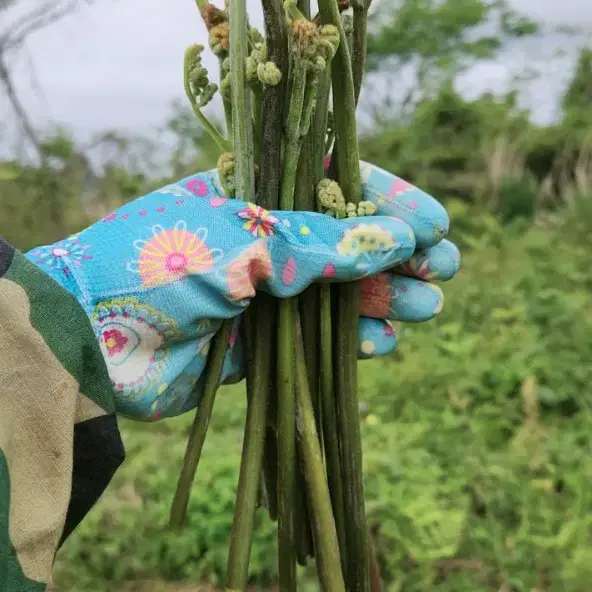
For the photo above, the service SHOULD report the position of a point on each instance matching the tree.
(578, 96)
(438, 39)
(19, 21)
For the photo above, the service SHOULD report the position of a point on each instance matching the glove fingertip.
(373, 244)
(396, 197)
(438, 263)
(376, 338)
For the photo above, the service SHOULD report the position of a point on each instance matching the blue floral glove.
(157, 277)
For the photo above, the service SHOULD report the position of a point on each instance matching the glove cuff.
(62, 262)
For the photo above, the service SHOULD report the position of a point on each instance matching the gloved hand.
(157, 277)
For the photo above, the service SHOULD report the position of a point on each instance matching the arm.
(59, 441)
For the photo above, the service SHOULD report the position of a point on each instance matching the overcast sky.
(117, 63)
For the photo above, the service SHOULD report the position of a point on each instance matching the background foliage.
(477, 431)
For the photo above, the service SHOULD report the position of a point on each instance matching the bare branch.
(6, 4)
(12, 38)
(33, 21)
(8, 85)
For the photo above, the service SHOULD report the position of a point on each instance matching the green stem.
(319, 123)
(258, 372)
(293, 11)
(200, 425)
(273, 105)
(258, 366)
(267, 306)
(287, 417)
(270, 142)
(257, 95)
(286, 447)
(349, 35)
(309, 314)
(304, 541)
(350, 440)
(348, 422)
(304, 200)
(344, 107)
(251, 38)
(270, 458)
(293, 138)
(309, 103)
(330, 432)
(241, 102)
(304, 195)
(216, 358)
(323, 524)
(227, 104)
(346, 341)
(359, 42)
(304, 7)
(222, 142)
(228, 115)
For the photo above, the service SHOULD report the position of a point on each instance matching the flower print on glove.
(159, 275)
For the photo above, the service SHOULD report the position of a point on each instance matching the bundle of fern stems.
(301, 457)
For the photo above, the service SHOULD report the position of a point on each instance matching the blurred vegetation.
(477, 431)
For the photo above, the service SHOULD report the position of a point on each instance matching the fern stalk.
(257, 373)
(347, 308)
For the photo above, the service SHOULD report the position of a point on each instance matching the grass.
(476, 436)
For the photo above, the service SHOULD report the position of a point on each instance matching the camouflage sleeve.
(59, 441)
